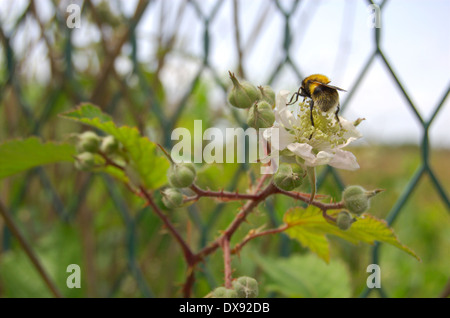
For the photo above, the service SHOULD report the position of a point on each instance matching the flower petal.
(351, 131)
(302, 150)
(344, 160)
(283, 115)
(283, 140)
(281, 99)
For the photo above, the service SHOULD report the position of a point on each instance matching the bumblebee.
(322, 95)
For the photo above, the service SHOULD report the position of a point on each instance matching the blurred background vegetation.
(159, 65)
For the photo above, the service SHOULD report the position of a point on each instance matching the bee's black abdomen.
(325, 98)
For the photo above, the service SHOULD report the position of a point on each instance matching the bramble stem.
(227, 261)
(29, 251)
(188, 255)
(252, 236)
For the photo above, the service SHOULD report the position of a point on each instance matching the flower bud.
(85, 161)
(222, 292)
(246, 287)
(356, 199)
(172, 198)
(344, 220)
(88, 142)
(261, 115)
(287, 177)
(242, 94)
(109, 145)
(268, 95)
(181, 175)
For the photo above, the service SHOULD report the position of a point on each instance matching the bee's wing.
(330, 86)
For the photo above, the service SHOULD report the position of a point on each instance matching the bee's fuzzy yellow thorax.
(310, 86)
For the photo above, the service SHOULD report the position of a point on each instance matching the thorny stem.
(29, 251)
(110, 162)
(188, 255)
(224, 195)
(251, 204)
(227, 261)
(305, 198)
(252, 236)
(224, 240)
(189, 283)
(240, 217)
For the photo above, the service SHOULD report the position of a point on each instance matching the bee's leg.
(311, 105)
(337, 117)
(297, 94)
(296, 99)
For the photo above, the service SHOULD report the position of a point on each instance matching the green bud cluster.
(242, 94)
(344, 220)
(243, 287)
(89, 144)
(288, 177)
(88, 141)
(172, 198)
(356, 199)
(222, 292)
(261, 115)
(109, 145)
(181, 175)
(259, 100)
(85, 161)
(246, 287)
(267, 95)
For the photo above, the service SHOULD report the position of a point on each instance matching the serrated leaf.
(310, 228)
(142, 153)
(20, 155)
(305, 276)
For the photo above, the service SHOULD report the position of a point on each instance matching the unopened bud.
(181, 175)
(109, 145)
(344, 220)
(242, 94)
(85, 161)
(267, 94)
(172, 198)
(287, 177)
(246, 287)
(222, 292)
(88, 142)
(261, 115)
(356, 199)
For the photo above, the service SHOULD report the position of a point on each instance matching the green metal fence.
(65, 81)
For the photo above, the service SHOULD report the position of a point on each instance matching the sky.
(328, 36)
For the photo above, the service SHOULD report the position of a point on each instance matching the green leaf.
(20, 155)
(141, 152)
(305, 276)
(310, 228)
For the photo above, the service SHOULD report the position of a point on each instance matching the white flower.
(316, 145)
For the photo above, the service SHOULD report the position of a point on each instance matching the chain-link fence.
(108, 71)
